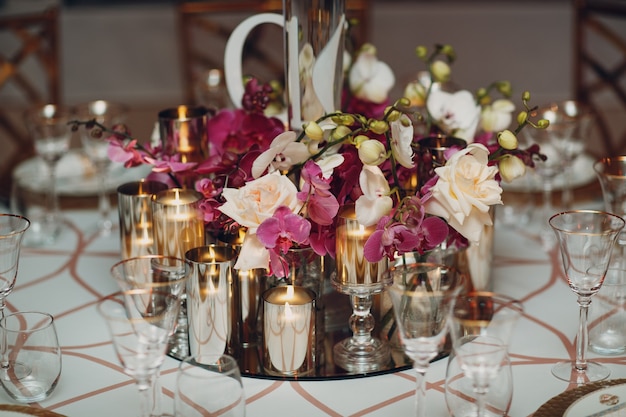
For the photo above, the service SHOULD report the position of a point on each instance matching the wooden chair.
(204, 28)
(600, 69)
(29, 74)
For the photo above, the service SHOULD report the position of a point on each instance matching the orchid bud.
(340, 132)
(313, 131)
(440, 70)
(448, 51)
(507, 140)
(415, 93)
(543, 123)
(378, 126)
(522, 117)
(372, 152)
(359, 139)
(96, 133)
(526, 96)
(511, 167)
(392, 114)
(403, 102)
(421, 52)
(343, 119)
(504, 87)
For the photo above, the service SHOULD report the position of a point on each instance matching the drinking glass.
(423, 295)
(209, 385)
(586, 239)
(482, 325)
(51, 134)
(96, 147)
(33, 356)
(140, 322)
(607, 335)
(611, 172)
(12, 228)
(156, 272)
(552, 143)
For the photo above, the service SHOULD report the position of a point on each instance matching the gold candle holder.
(178, 222)
(288, 331)
(209, 300)
(183, 132)
(361, 280)
(134, 204)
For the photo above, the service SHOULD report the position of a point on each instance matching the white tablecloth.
(67, 280)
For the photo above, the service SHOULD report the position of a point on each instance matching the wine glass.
(158, 273)
(12, 228)
(482, 325)
(96, 147)
(586, 239)
(423, 295)
(51, 134)
(140, 322)
(552, 143)
(579, 118)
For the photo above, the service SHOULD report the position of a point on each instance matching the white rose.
(465, 190)
(250, 205)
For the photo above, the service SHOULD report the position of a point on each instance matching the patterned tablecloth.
(68, 278)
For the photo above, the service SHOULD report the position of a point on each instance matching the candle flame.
(288, 313)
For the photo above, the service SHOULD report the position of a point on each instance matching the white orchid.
(370, 79)
(283, 153)
(401, 139)
(375, 201)
(457, 114)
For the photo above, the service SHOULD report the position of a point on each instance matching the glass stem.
(567, 196)
(420, 390)
(149, 392)
(582, 339)
(481, 399)
(52, 200)
(362, 321)
(104, 204)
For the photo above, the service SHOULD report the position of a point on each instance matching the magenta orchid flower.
(322, 205)
(126, 154)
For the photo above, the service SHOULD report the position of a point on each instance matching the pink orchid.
(125, 153)
(170, 165)
(322, 206)
(278, 234)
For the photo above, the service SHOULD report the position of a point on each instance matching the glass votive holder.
(288, 331)
(178, 222)
(134, 206)
(210, 311)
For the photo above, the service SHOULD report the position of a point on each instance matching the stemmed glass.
(108, 114)
(51, 133)
(140, 322)
(552, 143)
(423, 295)
(12, 228)
(158, 273)
(482, 325)
(586, 239)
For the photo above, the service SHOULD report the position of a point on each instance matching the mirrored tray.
(336, 314)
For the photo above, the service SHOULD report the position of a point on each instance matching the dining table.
(69, 277)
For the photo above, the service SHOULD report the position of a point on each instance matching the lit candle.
(178, 222)
(209, 294)
(183, 132)
(352, 268)
(288, 330)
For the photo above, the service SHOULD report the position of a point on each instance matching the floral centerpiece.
(285, 188)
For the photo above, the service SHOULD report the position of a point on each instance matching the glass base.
(353, 356)
(594, 372)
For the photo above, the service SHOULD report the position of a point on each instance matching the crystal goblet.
(96, 147)
(586, 239)
(12, 229)
(482, 325)
(51, 134)
(140, 322)
(423, 295)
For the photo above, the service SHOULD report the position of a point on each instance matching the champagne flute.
(482, 325)
(51, 133)
(586, 239)
(423, 295)
(140, 322)
(108, 114)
